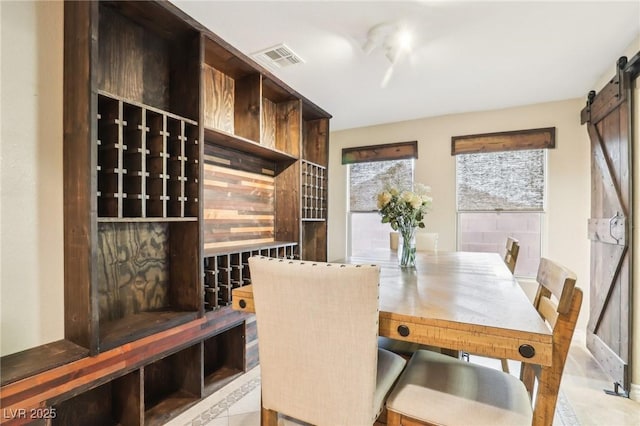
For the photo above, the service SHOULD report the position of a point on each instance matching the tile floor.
(238, 403)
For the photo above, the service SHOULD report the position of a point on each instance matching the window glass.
(367, 180)
(507, 180)
(500, 195)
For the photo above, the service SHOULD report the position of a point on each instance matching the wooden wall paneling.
(287, 221)
(313, 242)
(239, 207)
(289, 127)
(120, 70)
(185, 70)
(247, 107)
(316, 141)
(269, 115)
(219, 100)
(133, 269)
(185, 263)
(79, 173)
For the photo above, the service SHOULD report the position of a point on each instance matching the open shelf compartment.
(172, 384)
(223, 358)
(117, 402)
(146, 279)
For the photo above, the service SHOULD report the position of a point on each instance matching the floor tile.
(247, 419)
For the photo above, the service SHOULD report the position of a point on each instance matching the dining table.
(461, 301)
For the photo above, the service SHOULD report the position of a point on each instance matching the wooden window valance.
(504, 141)
(384, 152)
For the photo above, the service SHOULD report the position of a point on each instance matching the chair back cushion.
(317, 339)
(426, 241)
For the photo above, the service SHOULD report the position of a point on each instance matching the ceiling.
(465, 56)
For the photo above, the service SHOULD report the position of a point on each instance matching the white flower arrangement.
(405, 209)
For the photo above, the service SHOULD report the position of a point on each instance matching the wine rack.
(147, 162)
(225, 271)
(314, 192)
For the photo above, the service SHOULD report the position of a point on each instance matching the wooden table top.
(457, 300)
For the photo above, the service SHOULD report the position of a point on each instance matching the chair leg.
(393, 418)
(528, 377)
(268, 417)
(505, 365)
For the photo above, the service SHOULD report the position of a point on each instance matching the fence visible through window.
(501, 194)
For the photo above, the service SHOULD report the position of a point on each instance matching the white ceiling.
(467, 56)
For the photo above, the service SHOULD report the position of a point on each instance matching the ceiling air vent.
(281, 56)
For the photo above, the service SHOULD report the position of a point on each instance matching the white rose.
(383, 199)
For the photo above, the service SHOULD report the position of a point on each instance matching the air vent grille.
(280, 56)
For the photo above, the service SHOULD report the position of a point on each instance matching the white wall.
(31, 232)
(568, 183)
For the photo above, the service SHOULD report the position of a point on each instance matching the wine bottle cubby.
(314, 191)
(147, 162)
(225, 271)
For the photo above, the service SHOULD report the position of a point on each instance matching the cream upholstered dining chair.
(426, 241)
(317, 329)
(511, 254)
(437, 389)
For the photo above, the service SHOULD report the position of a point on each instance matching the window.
(371, 169)
(366, 180)
(501, 194)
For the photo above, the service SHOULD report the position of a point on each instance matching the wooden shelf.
(169, 407)
(146, 219)
(133, 327)
(248, 248)
(36, 360)
(225, 139)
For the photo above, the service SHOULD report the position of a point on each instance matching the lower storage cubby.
(224, 358)
(117, 402)
(172, 384)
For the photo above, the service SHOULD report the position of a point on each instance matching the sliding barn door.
(607, 116)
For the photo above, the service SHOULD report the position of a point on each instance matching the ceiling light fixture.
(392, 39)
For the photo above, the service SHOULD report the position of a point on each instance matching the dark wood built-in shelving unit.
(182, 159)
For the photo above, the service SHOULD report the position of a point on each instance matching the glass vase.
(407, 249)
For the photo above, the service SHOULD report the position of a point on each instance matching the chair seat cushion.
(390, 366)
(439, 389)
(403, 348)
